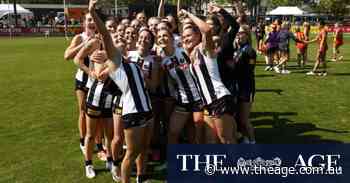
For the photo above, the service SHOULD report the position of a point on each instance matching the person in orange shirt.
(322, 51)
(337, 42)
(301, 47)
(307, 28)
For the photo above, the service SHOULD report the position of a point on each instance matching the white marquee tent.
(287, 10)
(8, 9)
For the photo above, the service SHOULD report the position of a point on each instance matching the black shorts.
(81, 85)
(117, 107)
(136, 119)
(246, 90)
(272, 50)
(232, 86)
(224, 105)
(189, 107)
(95, 112)
(246, 95)
(284, 49)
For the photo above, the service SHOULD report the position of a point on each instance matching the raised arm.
(207, 40)
(73, 48)
(112, 52)
(85, 51)
(178, 6)
(239, 11)
(161, 11)
(230, 21)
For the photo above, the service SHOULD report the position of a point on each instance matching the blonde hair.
(285, 25)
(246, 28)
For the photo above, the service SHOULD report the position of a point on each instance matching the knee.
(220, 134)
(131, 155)
(198, 120)
(117, 139)
(90, 138)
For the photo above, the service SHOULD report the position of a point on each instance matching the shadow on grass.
(277, 91)
(101, 170)
(301, 71)
(285, 131)
(340, 74)
(296, 67)
(159, 171)
(264, 75)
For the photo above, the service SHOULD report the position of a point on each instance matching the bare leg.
(226, 129)
(177, 123)
(117, 142)
(90, 136)
(81, 97)
(108, 134)
(210, 130)
(198, 120)
(133, 139)
(247, 127)
(141, 160)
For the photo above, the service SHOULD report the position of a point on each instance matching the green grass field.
(38, 126)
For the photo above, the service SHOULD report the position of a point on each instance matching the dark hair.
(168, 31)
(150, 33)
(217, 25)
(111, 18)
(176, 31)
(194, 29)
(191, 26)
(279, 21)
(322, 23)
(167, 23)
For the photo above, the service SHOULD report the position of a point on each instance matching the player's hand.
(210, 8)
(99, 56)
(213, 8)
(103, 75)
(182, 13)
(92, 5)
(92, 74)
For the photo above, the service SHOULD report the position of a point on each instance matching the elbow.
(206, 30)
(77, 61)
(67, 56)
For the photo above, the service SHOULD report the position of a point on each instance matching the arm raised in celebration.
(113, 53)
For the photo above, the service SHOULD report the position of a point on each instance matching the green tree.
(332, 7)
(276, 3)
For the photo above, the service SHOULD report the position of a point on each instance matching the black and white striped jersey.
(178, 68)
(146, 64)
(101, 94)
(130, 80)
(80, 75)
(206, 73)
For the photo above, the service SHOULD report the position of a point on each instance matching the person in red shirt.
(338, 41)
(301, 46)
